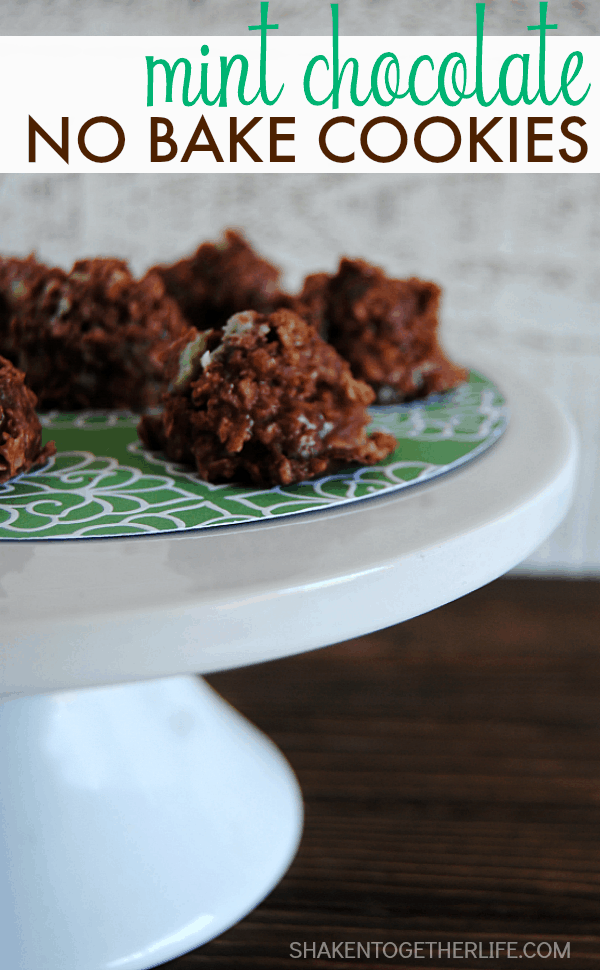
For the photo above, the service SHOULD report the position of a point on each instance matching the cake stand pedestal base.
(136, 823)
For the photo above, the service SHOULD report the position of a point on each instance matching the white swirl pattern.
(83, 495)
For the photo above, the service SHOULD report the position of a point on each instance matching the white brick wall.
(518, 256)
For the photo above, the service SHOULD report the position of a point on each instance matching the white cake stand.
(140, 814)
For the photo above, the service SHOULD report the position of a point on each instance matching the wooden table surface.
(451, 775)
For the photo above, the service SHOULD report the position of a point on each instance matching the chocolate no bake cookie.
(385, 328)
(222, 279)
(312, 303)
(20, 429)
(91, 338)
(22, 284)
(264, 400)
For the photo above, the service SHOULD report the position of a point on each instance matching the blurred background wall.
(374, 17)
(518, 256)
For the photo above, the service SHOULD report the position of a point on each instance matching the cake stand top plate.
(107, 611)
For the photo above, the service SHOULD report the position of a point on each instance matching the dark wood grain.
(451, 773)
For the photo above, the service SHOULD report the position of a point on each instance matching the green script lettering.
(523, 93)
(565, 79)
(412, 79)
(264, 26)
(480, 14)
(543, 26)
(151, 63)
(459, 61)
(221, 98)
(226, 66)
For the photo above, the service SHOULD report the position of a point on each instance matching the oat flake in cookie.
(20, 429)
(265, 400)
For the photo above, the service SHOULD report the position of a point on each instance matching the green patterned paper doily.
(103, 483)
